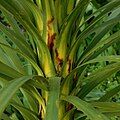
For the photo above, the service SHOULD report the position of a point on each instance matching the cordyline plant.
(46, 47)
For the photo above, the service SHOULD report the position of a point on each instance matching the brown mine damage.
(75, 78)
(69, 66)
(69, 107)
(51, 35)
(51, 39)
(59, 61)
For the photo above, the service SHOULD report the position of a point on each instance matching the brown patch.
(51, 39)
(69, 107)
(51, 35)
(75, 78)
(59, 61)
(69, 66)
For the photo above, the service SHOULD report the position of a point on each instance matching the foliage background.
(23, 95)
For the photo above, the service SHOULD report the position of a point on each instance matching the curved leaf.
(110, 94)
(86, 108)
(9, 90)
(26, 113)
(97, 77)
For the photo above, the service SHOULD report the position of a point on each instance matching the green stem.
(53, 99)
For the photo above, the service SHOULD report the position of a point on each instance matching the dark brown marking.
(69, 107)
(75, 78)
(59, 61)
(69, 66)
(51, 39)
(51, 20)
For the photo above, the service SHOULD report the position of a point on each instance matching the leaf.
(3, 82)
(111, 58)
(68, 114)
(29, 101)
(91, 29)
(5, 69)
(33, 91)
(66, 30)
(26, 57)
(85, 107)
(101, 47)
(21, 13)
(110, 94)
(18, 40)
(10, 56)
(5, 117)
(67, 81)
(14, 117)
(108, 108)
(39, 82)
(95, 40)
(7, 92)
(26, 113)
(97, 77)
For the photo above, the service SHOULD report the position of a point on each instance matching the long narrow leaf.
(9, 90)
(86, 108)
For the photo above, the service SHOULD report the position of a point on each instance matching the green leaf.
(5, 117)
(111, 58)
(9, 57)
(97, 77)
(9, 90)
(68, 114)
(39, 82)
(33, 91)
(109, 94)
(107, 107)
(21, 13)
(29, 101)
(5, 69)
(93, 28)
(26, 113)
(14, 117)
(26, 57)
(3, 82)
(66, 30)
(101, 47)
(18, 40)
(85, 107)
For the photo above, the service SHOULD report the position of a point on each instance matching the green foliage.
(59, 59)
